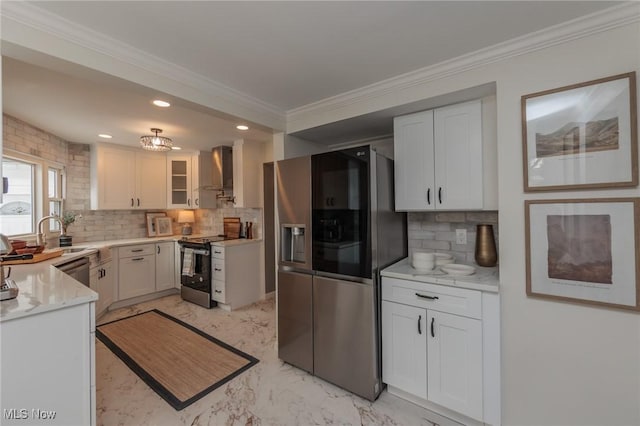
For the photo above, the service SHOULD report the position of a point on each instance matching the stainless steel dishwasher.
(77, 269)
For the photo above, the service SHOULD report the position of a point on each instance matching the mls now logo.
(15, 413)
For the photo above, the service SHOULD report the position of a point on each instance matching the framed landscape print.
(584, 251)
(581, 136)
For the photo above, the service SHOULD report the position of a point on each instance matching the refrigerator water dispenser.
(293, 243)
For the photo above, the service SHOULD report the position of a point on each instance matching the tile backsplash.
(437, 231)
(210, 222)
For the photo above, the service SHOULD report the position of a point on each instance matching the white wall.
(562, 363)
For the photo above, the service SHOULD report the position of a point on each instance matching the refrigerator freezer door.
(293, 178)
(345, 344)
(295, 319)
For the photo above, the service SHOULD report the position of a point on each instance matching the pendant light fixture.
(155, 142)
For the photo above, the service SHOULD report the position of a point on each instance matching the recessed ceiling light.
(105, 136)
(161, 103)
(242, 127)
(177, 148)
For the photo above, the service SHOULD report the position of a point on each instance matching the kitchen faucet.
(40, 234)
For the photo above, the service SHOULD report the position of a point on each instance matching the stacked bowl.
(423, 262)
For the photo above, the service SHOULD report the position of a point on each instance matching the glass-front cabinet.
(182, 182)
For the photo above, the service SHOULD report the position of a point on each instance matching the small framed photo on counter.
(151, 224)
(163, 226)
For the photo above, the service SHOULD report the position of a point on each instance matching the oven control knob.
(201, 279)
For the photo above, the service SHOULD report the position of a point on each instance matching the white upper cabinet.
(442, 162)
(458, 156)
(413, 157)
(124, 179)
(188, 181)
(151, 176)
(181, 181)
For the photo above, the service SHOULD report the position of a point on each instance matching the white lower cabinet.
(102, 282)
(404, 349)
(136, 276)
(432, 346)
(236, 275)
(145, 268)
(48, 368)
(136, 270)
(165, 265)
(454, 351)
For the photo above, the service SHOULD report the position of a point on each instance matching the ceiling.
(286, 54)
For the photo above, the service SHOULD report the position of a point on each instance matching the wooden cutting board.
(231, 227)
(45, 255)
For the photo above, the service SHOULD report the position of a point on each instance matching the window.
(55, 182)
(35, 190)
(17, 209)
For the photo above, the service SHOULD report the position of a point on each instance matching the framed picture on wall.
(582, 136)
(584, 251)
(151, 224)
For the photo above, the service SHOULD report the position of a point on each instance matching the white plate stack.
(444, 259)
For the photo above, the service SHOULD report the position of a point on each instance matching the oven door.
(198, 275)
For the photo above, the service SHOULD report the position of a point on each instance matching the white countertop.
(484, 279)
(238, 242)
(42, 287)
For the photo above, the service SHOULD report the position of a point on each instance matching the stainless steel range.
(195, 270)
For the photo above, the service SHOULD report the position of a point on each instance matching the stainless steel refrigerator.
(338, 228)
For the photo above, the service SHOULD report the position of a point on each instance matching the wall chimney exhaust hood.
(222, 176)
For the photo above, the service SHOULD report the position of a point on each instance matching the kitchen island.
(48, 349)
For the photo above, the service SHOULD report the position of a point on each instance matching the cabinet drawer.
(217, 252)
(441, 298)
(218, 270)
(137, 250)
(218, 291)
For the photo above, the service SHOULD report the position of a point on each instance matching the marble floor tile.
(270, 393)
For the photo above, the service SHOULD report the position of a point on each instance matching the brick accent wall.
(437, 232)
(101, 225)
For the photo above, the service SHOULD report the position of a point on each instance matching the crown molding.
(585, 26)
(55, 26)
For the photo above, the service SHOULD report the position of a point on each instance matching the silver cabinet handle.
(217, 269)
(137, 259)
(158, 249)
(137, 250)
(218, 291)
